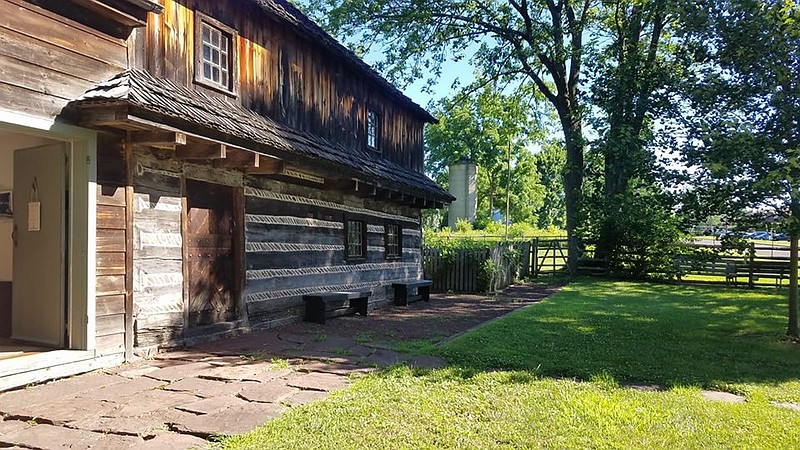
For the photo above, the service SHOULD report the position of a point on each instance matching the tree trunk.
(573, 185)
(793, 330)
(794, 233)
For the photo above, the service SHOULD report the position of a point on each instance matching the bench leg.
(401, 296)
(425, 293)
(315, 312)
(360, 304)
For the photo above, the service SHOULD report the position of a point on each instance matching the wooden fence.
(467, 270)
(471, 270)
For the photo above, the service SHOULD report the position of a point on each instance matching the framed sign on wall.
(5, 203)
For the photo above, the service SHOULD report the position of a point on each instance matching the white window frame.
(373, 130)
(211, 54)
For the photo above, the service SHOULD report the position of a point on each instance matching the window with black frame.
(355, 240)
(393, 238)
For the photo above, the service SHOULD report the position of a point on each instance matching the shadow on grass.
(639, 333)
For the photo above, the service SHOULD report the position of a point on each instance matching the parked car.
(763, 235)
(780, 237)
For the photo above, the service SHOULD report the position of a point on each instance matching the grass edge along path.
(554, 376)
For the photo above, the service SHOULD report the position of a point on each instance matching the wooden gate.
(210, 251)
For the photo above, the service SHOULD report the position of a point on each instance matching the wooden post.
(535, 257)
(129, 168)
(751, 280)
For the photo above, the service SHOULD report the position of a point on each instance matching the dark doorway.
(210, 228)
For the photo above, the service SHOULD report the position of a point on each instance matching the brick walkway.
(180, 398)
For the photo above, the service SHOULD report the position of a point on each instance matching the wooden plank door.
(209, 240)
(38, 301)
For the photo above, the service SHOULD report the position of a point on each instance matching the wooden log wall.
(46, 60)
(285, 76)
(157, 250)
(111, 249)
(294, 244)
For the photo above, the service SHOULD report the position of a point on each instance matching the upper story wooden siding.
(284, 75)
(46, 60)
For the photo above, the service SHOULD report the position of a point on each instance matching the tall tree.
(746, 123)
(483, 126)
(636, 73)
(537, 42)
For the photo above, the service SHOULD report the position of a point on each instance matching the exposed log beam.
(266, 166)
(202, 151)
(158, 139)
(238, 159)
(365, 189)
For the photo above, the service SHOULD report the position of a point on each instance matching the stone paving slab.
(53, 437)
(146, 426)
(426, 362)
(787, 405)
(331, 344)
(126, 388)
(386, 358)
(205, 388)
(172, 441)
(269, 392)
(723, 397)
(253, 371)
(179, 371)
(211, 405)
(236, 420)
(51, 392)
(10, 426)
(317, 381)
(336, 368)
(68, 410)
(151, 401)
(303, 397)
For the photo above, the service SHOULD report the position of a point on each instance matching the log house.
(186, 170)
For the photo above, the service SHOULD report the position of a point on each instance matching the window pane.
(206, 71)
(224, 80)
(224, 45)
(215, 74)
(206, 53)
(354, 241)
(206, 34)
(215, 38)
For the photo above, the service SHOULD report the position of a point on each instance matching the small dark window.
(394, 239)
(215, 49)
(355, 240)
(372, 130)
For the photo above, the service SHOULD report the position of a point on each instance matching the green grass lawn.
(556, 375)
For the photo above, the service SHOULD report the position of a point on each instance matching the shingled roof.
(164, 101)
(285, 12)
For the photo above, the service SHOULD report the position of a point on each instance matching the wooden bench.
(403, 291)
(325, 305)
(686, 267)
(777, 270)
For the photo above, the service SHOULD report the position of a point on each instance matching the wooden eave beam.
(158, 139)
(238, 159)
(202, 151)
(266, 166)
(365, 189)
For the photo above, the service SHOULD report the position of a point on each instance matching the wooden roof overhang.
(232, 137)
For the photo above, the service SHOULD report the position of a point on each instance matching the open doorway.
(33, 244)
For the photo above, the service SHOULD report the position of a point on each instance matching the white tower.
(464, 187)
